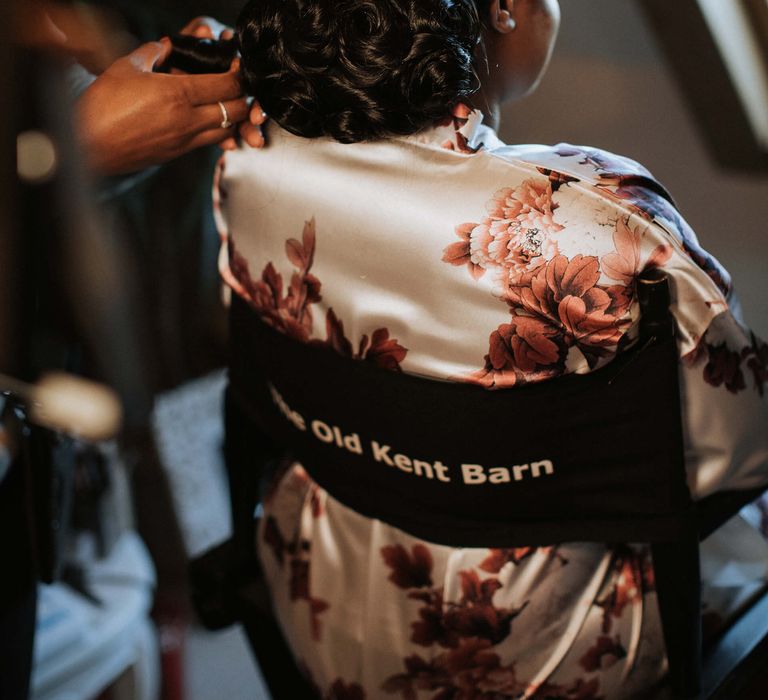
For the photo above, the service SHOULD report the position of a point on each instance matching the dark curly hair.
(357, 70)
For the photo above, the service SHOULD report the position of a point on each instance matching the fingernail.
(256, 139)
(258, 116)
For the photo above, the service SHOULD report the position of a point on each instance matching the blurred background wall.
(608, 86)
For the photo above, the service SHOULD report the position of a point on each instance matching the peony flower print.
(556, 307)
(625, 264)
(476, 672)
(380, 350)
(419, 674)
(653, 206)
(430, 628)
(289, 309)
(635, 187)
(463, 637)
(440, 622)
(460, 253)
(525, 343)
(517, 231)
(530, 205)
(526, 349)
(335, 338)
(602, 162)
(564, 313)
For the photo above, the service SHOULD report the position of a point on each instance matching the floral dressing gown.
(453, 256)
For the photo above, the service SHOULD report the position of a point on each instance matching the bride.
(388, 222)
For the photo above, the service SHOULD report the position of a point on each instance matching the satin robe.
(451, 255)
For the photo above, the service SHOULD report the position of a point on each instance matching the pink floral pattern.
(633, 186)
(295, 553)
(462, 658)
(289, 309)
(732, 368)
(518, 230)
(560, 304)
(624, 264)
(465, 631)
(557, 304)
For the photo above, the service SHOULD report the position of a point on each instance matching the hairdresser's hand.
(250, 129)
(130, 117)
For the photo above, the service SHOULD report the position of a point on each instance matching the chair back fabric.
(596, 457)
(581, 458)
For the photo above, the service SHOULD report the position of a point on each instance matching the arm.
(724, 366)
(130, 117)
(724, 371)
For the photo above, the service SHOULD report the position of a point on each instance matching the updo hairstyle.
(358, 70)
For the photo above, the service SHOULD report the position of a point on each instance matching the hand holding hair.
(210, 28)
(133, 117)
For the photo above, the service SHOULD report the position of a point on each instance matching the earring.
(506, 18)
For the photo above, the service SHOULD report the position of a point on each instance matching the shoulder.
(592, 167)
(618, 184)
(592, 164)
